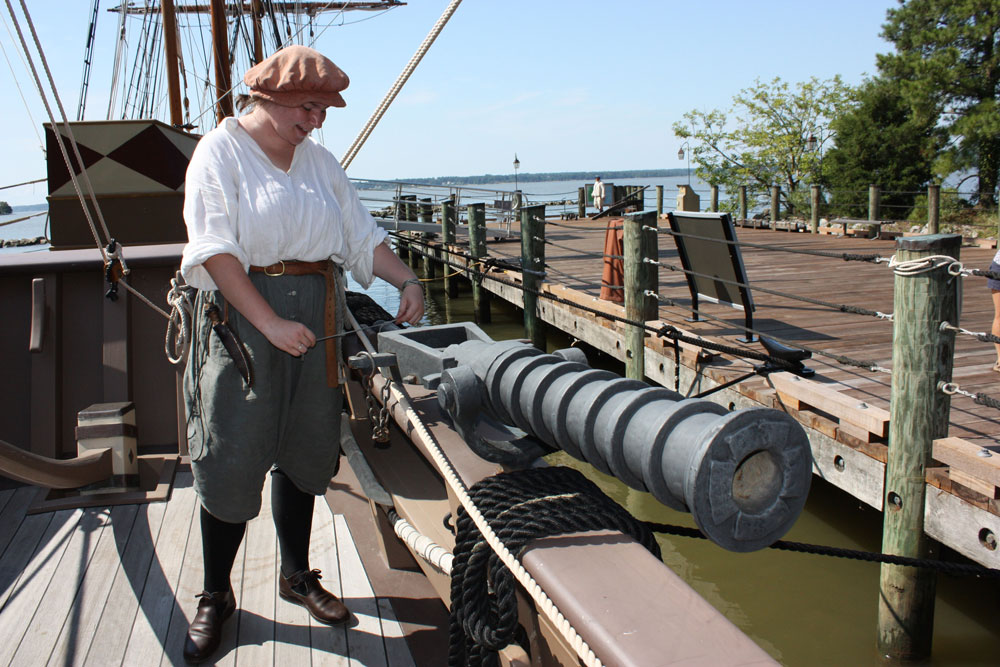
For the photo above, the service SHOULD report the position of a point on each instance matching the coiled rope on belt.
(178, 337)
(519, 506)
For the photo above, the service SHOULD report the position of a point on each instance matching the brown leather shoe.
(303, 588)
(205, 631)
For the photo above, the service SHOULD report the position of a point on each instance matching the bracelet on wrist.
(409, 281)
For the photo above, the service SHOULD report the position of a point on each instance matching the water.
(802, 609)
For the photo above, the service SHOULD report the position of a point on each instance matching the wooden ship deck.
(102, 586)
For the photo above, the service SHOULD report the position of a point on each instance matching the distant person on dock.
(994, 286)
(597, 192)
(272, 223)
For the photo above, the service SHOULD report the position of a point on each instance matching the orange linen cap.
(296, 75)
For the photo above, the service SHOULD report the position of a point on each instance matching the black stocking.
(219, 543)
(293, 510)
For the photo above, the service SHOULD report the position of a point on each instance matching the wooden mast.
(170, 50)
(220, 50)
(257, 13)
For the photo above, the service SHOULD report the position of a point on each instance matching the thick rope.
(520, 506)
(398, 85)
(544, 604)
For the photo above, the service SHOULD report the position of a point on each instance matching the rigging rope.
(55, 127)
(398, 85)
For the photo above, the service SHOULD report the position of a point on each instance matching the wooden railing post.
(639, 243)
(427, 216)
(581, 203)
(775, 199)
(659, 200)
(814, 209)
(743, 202)
(533, 263)
(713, 199)
(933, 207)
(447, 240)
(922, 358)
(874, 201)
(477, 248)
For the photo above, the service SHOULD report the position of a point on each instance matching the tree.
(882, 141)
(767, 141)
(5, 208)
(947, 61)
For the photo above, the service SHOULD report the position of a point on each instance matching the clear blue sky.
(567, 85)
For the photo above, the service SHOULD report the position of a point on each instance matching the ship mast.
(218, 10)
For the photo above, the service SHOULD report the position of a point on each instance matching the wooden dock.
(117, 586)
(845, 409)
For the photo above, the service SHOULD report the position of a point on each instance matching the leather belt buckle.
(267, 270)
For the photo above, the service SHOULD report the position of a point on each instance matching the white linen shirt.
(237, 202)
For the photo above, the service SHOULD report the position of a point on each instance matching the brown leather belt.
(325, 268)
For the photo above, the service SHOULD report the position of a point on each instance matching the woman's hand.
(294, 338)
(411, 304)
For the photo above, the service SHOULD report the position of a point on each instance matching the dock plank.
(74, 640)
(23, 598)
(255, 641)
(137, 549)
(329, 643)
(149, 631)
(365, 637)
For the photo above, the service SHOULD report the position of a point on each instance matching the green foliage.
(5, 208)
(879, 141)
(762, 139)
(947, 63)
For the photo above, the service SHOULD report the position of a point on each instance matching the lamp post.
(685, 149)
(517, 163)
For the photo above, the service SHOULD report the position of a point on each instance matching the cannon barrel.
(743, 475)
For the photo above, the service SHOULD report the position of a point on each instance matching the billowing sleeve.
(361, 233)
(211, 201)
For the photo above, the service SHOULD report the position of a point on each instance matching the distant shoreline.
(546, 176)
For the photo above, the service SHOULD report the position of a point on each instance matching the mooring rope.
(839, 552)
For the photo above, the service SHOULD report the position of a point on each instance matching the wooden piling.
(933, 207)
(533, 261)
(581, 203)
(639, 243)
(659, 200)
(874, 202)
(814, 209)
(713, 199)
(743, 202)
(922, 357)
(775, 199)
(477, 248)
(447, 240)
(427, 216)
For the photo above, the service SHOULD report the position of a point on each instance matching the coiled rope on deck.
(519, 506)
